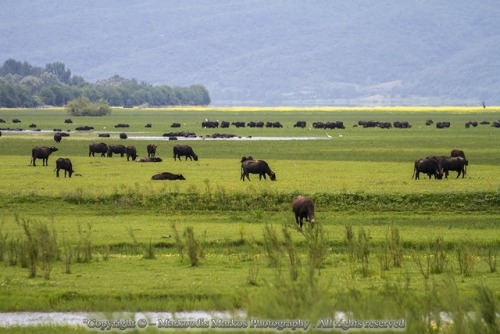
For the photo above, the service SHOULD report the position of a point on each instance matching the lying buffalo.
(118, 149)
(42, 153)
(64, 164)
(151, 150)
(184, 150)
(256, 167)
(429, 166)
(167, 176)
(149, 159)
(303, 207)
(98, 148)
(131, 152)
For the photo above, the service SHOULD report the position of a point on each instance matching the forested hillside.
(261, 52)
(24, 85)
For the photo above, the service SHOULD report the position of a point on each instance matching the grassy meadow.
(384, 246)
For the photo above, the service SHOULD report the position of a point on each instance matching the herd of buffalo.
(303, 207)
(439, 166)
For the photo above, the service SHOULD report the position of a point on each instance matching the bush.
(82, 106)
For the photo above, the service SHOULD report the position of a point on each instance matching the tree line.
(25, 86)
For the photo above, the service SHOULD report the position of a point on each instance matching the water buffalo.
(98, 148)
(118, 149)
(167, 176)
(57, 137)
(457, 153)
(303, 207)
(42, 153)
(131, 152)
(151, 150)
(454, 164)
(300, 124)
(149, 159)
(66, 165)
(123, 135)
(256, 167)
(184, 150)
(429, 166)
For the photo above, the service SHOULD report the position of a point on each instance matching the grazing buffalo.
(184, 150)
(224, 124)
(98, 148)
(300, 124)
(122, 125)
(256, 167)
(149, 159)
(429, 166)
(303, 207)
(68, 121)
(148, 125)
(210, 124)
(151, 150)
(64, 164)
(118, 149)
(167, 176)
(42, 153)
(131, 152)
(454, 164)
(105, 135)
(123, 135)
(57, 137)
(239, 124)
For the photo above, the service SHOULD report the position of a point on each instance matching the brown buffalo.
(42, 153)
(98, 148)
(131, 152)
(64, 164)
(118, 149)
(429, 166)
(184, 150)
(256, 167)
(149, 159)
(167, 176)
(303, 207)
(151, 150)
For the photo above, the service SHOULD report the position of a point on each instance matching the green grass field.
(113, 229)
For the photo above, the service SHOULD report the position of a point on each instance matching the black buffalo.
(429, 166)
(457, 153)
(443, 125)
(42, 153)
(454, 164)
(239, 124)
(149, 159)
(210, 124)
(118, 149)
(123, 135)
(98, 148)
(167, 176)
(300, 124)
(57, 137)
(260, 167)
(303, 207)
(131, 152)
(151, 150)
(184, 150)
(64, 164)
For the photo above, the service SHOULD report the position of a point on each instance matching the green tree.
(82, 106)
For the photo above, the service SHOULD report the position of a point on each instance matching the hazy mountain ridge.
(272, 52)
